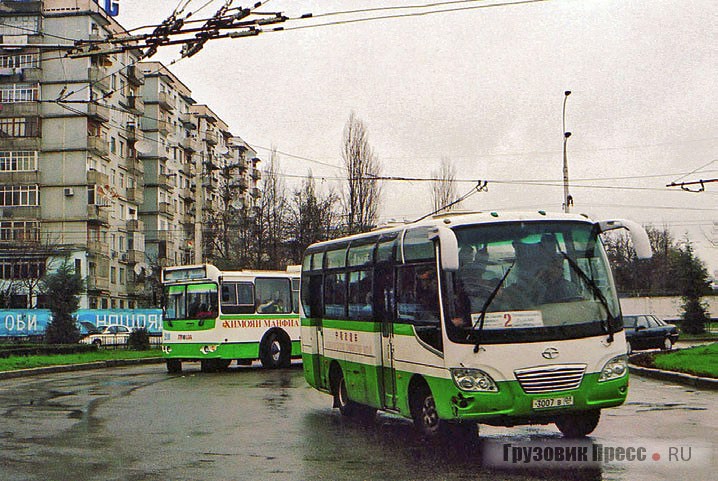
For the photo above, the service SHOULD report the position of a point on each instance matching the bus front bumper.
(512, 406)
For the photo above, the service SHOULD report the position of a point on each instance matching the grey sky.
(484, 87)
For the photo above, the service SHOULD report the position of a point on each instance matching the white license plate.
(552, 402)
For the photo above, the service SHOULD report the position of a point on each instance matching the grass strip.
(698, 360)
(14, 363)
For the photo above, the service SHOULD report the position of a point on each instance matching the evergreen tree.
(693, 277)
(62, 289)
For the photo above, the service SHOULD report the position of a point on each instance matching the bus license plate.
(552, 402)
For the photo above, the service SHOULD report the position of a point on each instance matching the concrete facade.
(103, 160)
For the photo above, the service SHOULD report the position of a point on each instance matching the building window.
(18, 195)
(113, 146)
(19, 127)
(21, 268)
(13, 93)
(18, 161)
(20, 25)
(24, 60)
(19, 231)
(122, 277)
(113, 275)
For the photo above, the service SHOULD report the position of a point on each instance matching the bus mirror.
(639, 236)
(448, 247)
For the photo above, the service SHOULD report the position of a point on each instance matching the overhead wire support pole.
(567, 199)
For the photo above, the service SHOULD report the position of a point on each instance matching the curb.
(679, 377)
(78, 367)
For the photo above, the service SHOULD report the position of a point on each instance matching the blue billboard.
(33, 322)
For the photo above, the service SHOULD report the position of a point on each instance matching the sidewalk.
(78, 367)
(678, 377)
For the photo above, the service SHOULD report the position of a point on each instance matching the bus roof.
(456, 219)
(209, 271)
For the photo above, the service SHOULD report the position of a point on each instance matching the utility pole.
(567, 199)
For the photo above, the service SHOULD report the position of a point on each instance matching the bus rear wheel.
(578, 425)
(275, 350)
(174, 366)
(341, 397)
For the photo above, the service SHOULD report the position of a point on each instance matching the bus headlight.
(615, 368)
(473, 380)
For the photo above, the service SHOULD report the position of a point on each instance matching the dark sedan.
(648, 332)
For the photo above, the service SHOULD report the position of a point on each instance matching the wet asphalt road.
(139, 423)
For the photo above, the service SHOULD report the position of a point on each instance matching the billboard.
(33, 322)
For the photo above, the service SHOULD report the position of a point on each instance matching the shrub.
(139, 340)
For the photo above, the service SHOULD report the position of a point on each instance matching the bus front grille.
(543, 379)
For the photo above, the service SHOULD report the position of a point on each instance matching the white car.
(114, 334)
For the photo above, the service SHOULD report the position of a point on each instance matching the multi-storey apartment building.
(68, 173)
(103, 161)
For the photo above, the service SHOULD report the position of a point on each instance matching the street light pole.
(567, 199)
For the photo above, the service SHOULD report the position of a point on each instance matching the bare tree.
(312, 218)
(443, 188)
(362, 197)
(271, 224)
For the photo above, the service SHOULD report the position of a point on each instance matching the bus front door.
(384, 292)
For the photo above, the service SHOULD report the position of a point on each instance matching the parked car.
(113, 334)
(645, 331)
(87, 328)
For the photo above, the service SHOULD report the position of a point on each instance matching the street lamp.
(567, 199)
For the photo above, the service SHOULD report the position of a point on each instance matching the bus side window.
(335, 295)
(237, 298)
(273, 296)
(311, 286)
(360, 295)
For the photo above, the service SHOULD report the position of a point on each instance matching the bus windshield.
(530, 281)
(191, 301)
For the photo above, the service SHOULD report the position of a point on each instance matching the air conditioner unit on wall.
(69, 191)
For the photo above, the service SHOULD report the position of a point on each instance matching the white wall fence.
(665, 307)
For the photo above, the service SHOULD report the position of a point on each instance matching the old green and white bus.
(501, 319)
(215, 317)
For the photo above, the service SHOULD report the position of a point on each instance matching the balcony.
(135, 225)
(135, 195)
(187, 194)
(240, 184)
(165, 102)
(210, 138)
(15, 7)
(130, 132)
(188, 120)
(98, 215)
(96, 247)
(135, 76)
(100, 113)
(135, 256)
(9, 177)
(165, 236)
(166, 208)
(209, 183)
(99, 78)
(135, 104)
(98, 146)
(255, 192)
(95, 177)
(21, 109)
(190, 144)
(97, 283)
(163, 127)
(256, 174)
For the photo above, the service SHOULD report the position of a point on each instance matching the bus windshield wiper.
(597, 293)
(485, 307)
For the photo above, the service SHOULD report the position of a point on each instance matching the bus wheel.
(426, 417)
(341, 397)
(578, 425)
(275, 351)
(174, 366)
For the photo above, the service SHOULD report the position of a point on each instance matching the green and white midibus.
(501, 319)
(215, 317)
